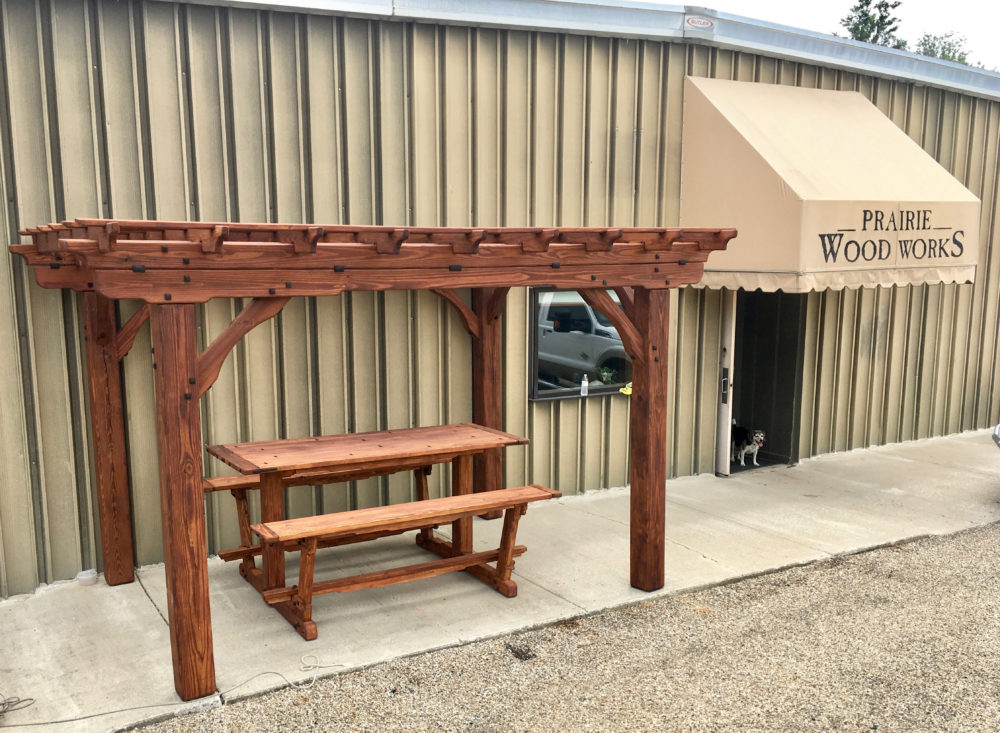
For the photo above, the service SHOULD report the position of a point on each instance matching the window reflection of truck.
(574, 339)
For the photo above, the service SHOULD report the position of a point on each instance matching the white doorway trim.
(725, 404)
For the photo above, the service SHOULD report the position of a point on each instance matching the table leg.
(461, 483)
(182, 500)
(272, 509)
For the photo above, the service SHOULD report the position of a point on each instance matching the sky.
(977, 20)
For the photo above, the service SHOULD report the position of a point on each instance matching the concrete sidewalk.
(89, 651)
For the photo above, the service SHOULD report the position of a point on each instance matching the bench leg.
(248, 565)
(302, 601)
(505, 563)
(298, 609)
(497, 578)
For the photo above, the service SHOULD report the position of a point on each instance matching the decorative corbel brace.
(469, 318)
(210, 361)
(127, 333)
(386, 242)
(627, 297)
(494, 305)
(476, 323)
(633, 341)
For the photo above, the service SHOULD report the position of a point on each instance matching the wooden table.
(353, 455)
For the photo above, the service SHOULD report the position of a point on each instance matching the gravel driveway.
(898, 639)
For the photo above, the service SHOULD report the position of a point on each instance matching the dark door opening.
(767, 371)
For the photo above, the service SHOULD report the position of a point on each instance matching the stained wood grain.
(432, 444)
(404, 574)
(487, 382)
(108, 425)
(211, 360)
(178, 423)
(161, 286)
(401, 517)
(648, 446)
(631, 337)
(128, 332)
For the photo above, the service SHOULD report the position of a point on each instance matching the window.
(569, 340)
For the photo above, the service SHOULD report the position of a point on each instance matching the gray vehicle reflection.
(573, 340)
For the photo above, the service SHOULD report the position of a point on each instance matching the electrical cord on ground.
(305, 666)
(11, 704)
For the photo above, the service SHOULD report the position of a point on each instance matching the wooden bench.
(273, 465)
(239, 485)
(304, 534)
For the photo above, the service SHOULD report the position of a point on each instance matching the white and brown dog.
(746, 443)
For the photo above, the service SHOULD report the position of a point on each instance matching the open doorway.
(766, 379)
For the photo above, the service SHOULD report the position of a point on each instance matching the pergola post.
(185, 555)
(487, 384)
(648, 446)
(108, 426)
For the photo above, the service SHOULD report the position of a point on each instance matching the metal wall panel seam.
(810, 367)
(144, 135)
(978, 185)
(67, 34)
(19, 529)
(30, 32)
(987, 364)
(224, 63)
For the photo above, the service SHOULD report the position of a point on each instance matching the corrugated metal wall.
(155, 110)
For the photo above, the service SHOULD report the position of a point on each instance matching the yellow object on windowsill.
(627, 389)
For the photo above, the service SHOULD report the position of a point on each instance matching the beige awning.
(825, 191)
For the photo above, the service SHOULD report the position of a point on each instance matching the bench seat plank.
(401, 517)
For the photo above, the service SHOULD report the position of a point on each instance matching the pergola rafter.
(172, 266)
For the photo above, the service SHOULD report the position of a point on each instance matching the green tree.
(948, 46)
(872, 21)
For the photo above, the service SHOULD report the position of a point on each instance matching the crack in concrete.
(138, 579)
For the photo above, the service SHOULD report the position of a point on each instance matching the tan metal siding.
(189, 111)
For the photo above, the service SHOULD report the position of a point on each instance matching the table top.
(435, 444)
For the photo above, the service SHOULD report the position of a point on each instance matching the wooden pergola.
(172, 266)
